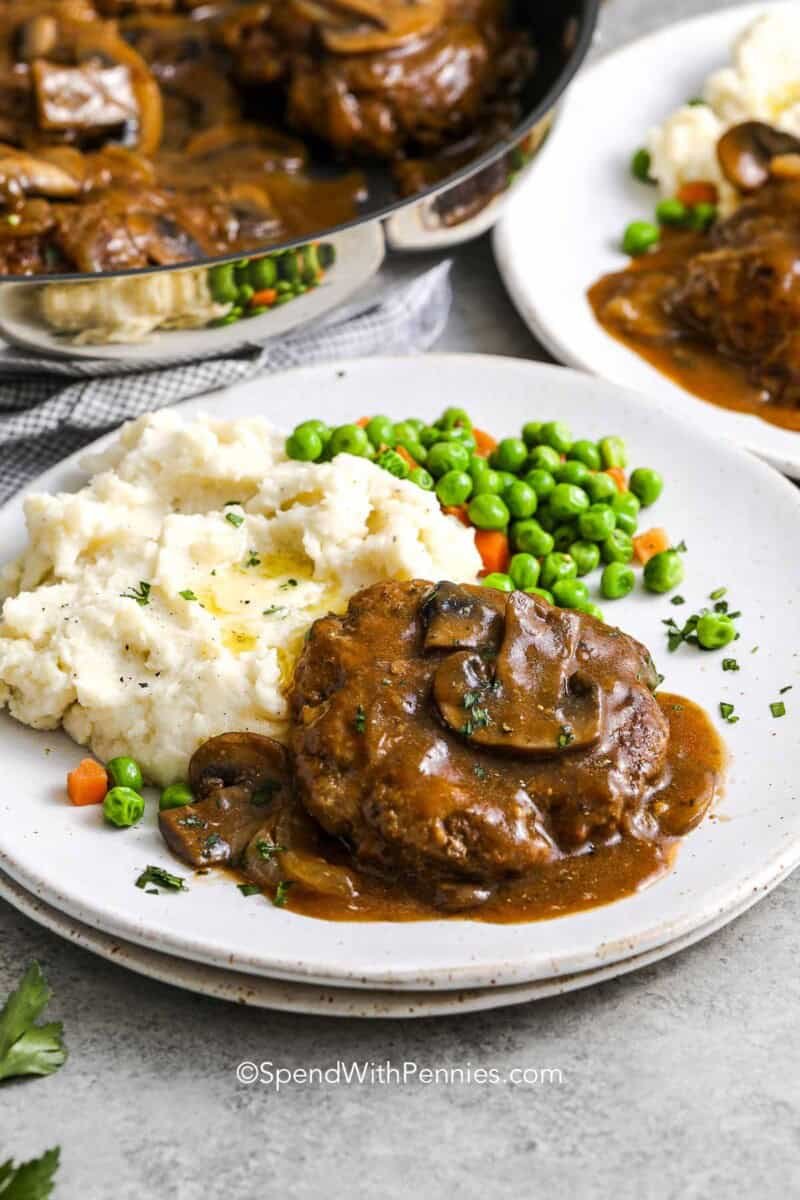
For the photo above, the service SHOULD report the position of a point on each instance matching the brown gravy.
(661, 340)
(606, 873)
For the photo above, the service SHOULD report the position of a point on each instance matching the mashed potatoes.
(166, 601)
(762, 84)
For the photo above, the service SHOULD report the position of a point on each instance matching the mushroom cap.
(371, 26)
(243, 760)
(745, 153)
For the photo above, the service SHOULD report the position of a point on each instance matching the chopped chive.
(726, 712)
(360, 720)
(677, 600)
(187, 594)
(778, 708)
(249, 889)
(235, 519)
(782, 691)
(730, 664)
(282, 893)
(717, 594)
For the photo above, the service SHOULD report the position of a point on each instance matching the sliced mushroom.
(533, 699)
(24, 174)
(746, 151)
(370, 26)
(236, 777)
(460, 620)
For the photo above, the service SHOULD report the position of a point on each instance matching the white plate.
(259, 992)
(561, 229)
(359, 254)
(724, 502)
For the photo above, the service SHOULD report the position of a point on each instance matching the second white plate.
(561, 230)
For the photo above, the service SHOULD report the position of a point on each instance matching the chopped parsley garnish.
(211, 841)
(192, 822)
(282, 893)
(659, 680)
(231, 503)
(681, 547)
(268, 850)
(162, 878)
(782, 691)
(265, 794)
(141, 594)
(253, 559)
(275, 610)
(478, 717)
(290, 583)
(31, 1180)
(25, 1047)
(778, 708)
(234, 519)
(677, 634)
(565, 736)
(726, 712)
(730, 664)
(718, 593)
(249, 889)
(479, 772)
(187, 594)
(360, 720)
(677, 600)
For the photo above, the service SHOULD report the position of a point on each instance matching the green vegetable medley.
(694, 209)
(252, 286)
(551, 495)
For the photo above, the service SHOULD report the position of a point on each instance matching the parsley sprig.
(31, 1180)
(25, 1047)
(141, 594)
(161, 878)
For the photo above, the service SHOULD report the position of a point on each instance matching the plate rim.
(743, 429)
(723, 901)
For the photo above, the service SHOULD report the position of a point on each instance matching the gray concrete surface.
(678, 1081)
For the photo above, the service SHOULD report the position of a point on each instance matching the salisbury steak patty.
(457, 732)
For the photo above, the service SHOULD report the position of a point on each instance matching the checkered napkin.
(50, 407)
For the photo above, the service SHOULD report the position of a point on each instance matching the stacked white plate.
(64, 869)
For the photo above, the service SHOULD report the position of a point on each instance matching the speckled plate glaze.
(257, 991)
(730, 508)
(561, 229)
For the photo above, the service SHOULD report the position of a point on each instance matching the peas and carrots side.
(694, 207)
(547, 509)
(252, 286)
(118, 787)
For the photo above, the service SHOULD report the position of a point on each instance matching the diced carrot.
(406, 457)
(651, 542)
(484, 443)
(698, 192)
(618, 475)
(88, 783)
(363, 422)
(493, 548)
(263, 299)
(455, 510)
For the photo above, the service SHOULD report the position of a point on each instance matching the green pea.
(416, 423)
(507, 481)
(318, 427)
(702, 216)
(289, 266)
(640, 165)
(592, 610)
(617, 580)
(557, 435)
(177, 795)
(123, 807)
(394, 463)
(349, 439)
(564, 535)
(567, 500)
(405, 431)
(586, 452)
(597, 522)
(485, 480)
(663, 571)
(429, 435)
(600, 488)
(586, 556)
(488, 512)
(380, 431)
(541, 481)
(570, 593)
(544, 458)
(613, 452)
(413, 447)
(524, 569)
(572, 471)
(618, 547)
(229, 319)
(542, 593)
(547, 518)
(304, 445)
(222, 283)
(646, 485)
(626, 502)
(520, 500)
(422, 478)
(262, 273)
(245, 294)
(509, 455)
(639, 237)
(454, 488)
(672, 211)
(447, 456)
(453, 418)
(503, 583)
(627, 523)
(557, 566)
(125, 772)
(531, 432)
(714, 630)
(529, 537)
